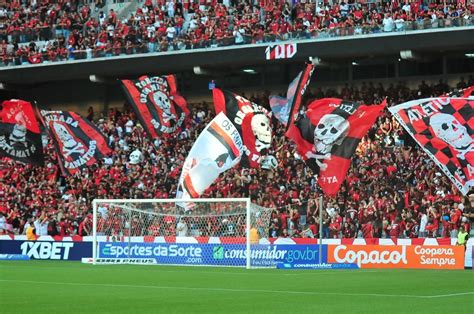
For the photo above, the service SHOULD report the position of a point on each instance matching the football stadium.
(236, 156)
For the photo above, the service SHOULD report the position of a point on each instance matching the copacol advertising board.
(47, 249)
(212, 254)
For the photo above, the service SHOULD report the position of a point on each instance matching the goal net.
(217, 232)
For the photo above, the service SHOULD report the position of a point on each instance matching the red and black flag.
(251, 120)
(20, 135)
(444, 128)
(282, 107)
(77, 141)
(159, 107)
(327, 135)
(463, 93)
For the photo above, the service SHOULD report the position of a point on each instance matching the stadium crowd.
(34, 31)
(392, 189)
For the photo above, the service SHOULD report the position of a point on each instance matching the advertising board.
(398, 256)
(212, 254)
(54, 250)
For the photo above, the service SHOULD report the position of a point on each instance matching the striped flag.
(281, 107)
(218, 148)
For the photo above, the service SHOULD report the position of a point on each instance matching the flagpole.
(320, 226)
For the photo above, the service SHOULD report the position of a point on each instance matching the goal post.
(207, 232)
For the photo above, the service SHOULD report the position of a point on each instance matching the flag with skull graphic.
(218, 148)
(443, 127)
(77, 141)
(327, 135)
(20, 136)
(251, 120)
(161, 110)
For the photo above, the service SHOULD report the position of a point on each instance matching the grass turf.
(52, 286)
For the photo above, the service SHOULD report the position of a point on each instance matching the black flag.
(20, 136)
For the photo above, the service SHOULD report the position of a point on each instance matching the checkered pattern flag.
(464, 93)
(443, 127)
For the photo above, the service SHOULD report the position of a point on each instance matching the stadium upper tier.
(70, 30)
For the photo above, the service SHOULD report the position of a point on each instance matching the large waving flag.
(159, 107)
(77, 141)
(443, 127)
(218, 148)
(20, 136)
(281, 107)
(327, 135)
(252, 121)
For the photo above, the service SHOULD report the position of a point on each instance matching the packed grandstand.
(393, 189)
(33, 32)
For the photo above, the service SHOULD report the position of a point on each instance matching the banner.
(212, 254)
(161, 110)
(462, 93)
(283, 51)
(398, 256)
(20, 136)
(327, 135)
(53, 250)
(218, 148)
(281, 107)
(77, 141)
(444, 128)
(251, 120)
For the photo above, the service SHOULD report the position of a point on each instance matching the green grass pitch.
(72, 287)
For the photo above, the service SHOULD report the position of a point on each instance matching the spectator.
(390, 190)
(30, 231)
(198, 26)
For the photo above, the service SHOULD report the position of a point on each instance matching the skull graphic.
(70, 145)
(19, 130)
(18, 134)
(163, 101)
(451, 131)
(262, 131)
(331, 130)
(136, 157)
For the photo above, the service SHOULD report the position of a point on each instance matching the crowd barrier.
(361, 253)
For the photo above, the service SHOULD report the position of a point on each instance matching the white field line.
(239, 290)
(317, 272)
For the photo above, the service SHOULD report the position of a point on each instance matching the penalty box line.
(105, 285)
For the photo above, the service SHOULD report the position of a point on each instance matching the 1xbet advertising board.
(47, 249)
(398, 256)
(212, 254)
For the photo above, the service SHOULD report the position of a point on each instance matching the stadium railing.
(181, 43)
